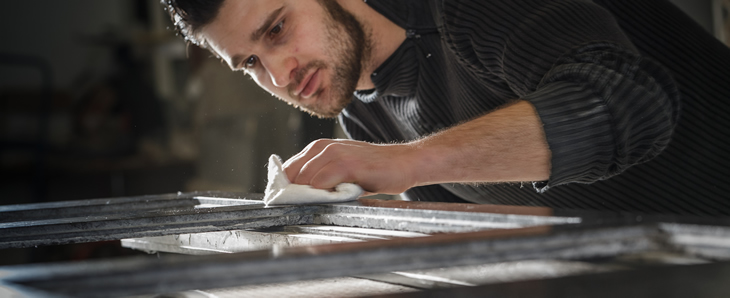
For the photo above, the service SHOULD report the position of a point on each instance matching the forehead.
(235, 22)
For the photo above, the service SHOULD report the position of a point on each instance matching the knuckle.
(335, 150)
(321, 143)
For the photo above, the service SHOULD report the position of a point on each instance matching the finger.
(330, 175)
(312, 168)
(330, 167)
(308, 150)
(293, 166)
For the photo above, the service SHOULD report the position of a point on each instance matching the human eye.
(277, 29)
(250, 62)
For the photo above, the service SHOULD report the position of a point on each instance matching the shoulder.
(504, 16)
(493, 27)
(395, 10)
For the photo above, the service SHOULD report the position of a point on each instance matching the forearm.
(502, 146)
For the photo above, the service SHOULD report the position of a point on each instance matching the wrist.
(426, 162)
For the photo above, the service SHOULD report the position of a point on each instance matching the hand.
(377, 168)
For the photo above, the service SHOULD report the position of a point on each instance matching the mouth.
(309, 85)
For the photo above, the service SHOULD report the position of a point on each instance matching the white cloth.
(280, 190)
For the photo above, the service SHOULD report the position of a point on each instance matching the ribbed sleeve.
(603, 106)
(604, 109)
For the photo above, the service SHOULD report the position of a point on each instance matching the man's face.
(309, 53)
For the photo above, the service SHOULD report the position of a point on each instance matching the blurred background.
(99, 98)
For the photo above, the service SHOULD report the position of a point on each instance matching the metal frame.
(147, 216)
(527, 237)
(133, 276)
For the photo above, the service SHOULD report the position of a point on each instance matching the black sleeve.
(604, 107)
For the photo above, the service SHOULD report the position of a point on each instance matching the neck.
(385, 37)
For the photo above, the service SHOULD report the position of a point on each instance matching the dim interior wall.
(239, 125)
(699, 10)
(53, 30)
(721, 20)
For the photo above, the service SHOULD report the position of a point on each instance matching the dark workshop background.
(99, 98)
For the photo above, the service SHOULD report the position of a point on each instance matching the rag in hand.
(280, 190)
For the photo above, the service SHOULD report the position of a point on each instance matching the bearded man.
(571, 104)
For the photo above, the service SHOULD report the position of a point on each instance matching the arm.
(602, 109)
(502, 146)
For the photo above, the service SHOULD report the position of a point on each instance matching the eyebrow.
(269, 21)
(256, 35)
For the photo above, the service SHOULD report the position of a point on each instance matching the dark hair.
(189, 16)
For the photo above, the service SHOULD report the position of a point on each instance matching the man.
(465, 100)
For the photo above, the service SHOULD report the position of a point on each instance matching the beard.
(349, 46)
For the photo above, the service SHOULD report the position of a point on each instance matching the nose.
(280, 68)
